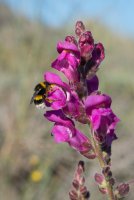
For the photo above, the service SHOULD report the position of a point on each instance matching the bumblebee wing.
(34, 95)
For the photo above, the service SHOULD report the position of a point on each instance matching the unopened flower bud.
(85, 192)
(83, 189)
(103, 190)
(122, 190)
(99, 178)
(107, 172)
(87, 195)
(77, 31)
(81, 164)
(71, 39)
(112, 181)
(79, 24)
(86, 44)
(79, 28)
(107, 158)
(73, 195)
(75, 184)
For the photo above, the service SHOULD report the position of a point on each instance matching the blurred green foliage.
(27, 49)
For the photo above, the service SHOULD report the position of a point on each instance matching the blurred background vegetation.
(32, 166)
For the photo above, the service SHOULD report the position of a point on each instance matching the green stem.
(103, 164)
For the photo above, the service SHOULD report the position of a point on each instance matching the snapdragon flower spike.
(103, 122)
(59, 92)
(64, 131)
(79, 190)
(68, 60)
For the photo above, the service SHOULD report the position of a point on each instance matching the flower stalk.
(103, 165)
(98, 152)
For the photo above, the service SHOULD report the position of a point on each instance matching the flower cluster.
(78, 99)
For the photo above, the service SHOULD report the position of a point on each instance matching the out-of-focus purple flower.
(68, 60)
(64, 131)
(58, 92)
(86, 44)
(103, 122)
(97, 101)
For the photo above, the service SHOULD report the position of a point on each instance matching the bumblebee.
(40, 94)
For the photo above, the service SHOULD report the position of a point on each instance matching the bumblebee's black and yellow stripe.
(40, 93)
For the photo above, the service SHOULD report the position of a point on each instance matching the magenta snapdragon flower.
(94, 101)
(68, 60)
(55, 79)
(103, 122)
(64, 131)
(58, 93)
